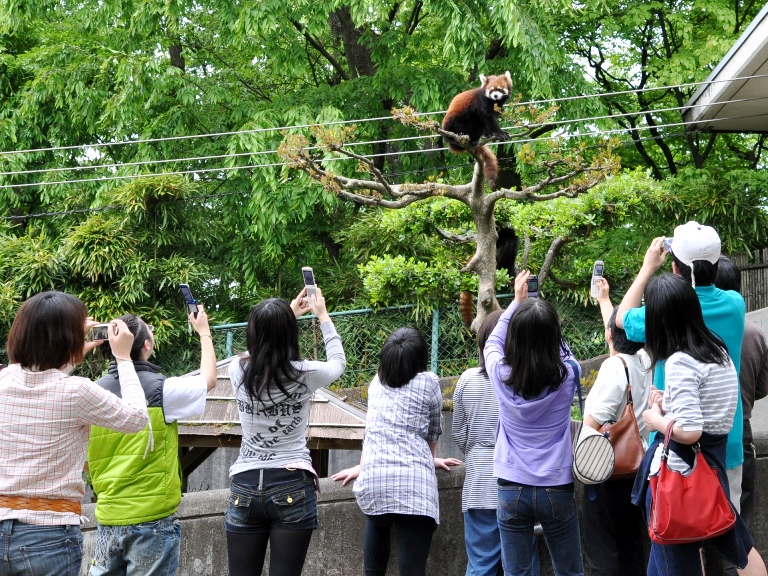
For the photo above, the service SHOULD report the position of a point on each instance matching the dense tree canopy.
(147, 133)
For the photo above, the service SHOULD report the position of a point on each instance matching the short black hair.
(138, 328)
(621, 343)
(403, 355)
(705, 272)
(728, 275)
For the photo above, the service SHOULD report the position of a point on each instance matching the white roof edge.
(755, 37)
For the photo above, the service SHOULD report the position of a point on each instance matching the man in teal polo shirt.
(695, 252)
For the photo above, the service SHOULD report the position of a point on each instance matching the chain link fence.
(453, 348)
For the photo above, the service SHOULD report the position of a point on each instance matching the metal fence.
(754, 278)
(453, 348)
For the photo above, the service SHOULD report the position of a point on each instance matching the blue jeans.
(481, 536)
(275, 507)
(554, 507)
(146, 549)
(36, 550)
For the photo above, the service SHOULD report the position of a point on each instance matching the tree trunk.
(483, 263)
(358, 56)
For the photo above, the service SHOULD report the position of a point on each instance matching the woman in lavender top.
(534, 377)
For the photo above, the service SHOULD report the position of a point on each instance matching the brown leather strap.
(629, 387)
(41, 504)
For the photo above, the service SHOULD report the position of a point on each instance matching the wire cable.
(559, 136)
(351, 144)
(247, 192)
(363, 120)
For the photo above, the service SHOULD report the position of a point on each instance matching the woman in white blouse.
(614, 530)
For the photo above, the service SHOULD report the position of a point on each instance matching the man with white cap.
(695, 250)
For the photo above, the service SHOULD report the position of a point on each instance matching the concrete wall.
(336, 548)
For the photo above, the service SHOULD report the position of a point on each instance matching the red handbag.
(687, 508)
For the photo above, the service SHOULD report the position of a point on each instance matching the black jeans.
(414, 537)
(614, 530)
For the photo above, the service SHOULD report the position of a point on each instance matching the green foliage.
(390, 280)
(89, 78)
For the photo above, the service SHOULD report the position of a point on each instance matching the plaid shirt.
(397, 473)
(45, 420)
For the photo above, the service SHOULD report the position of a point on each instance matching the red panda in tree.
(474, 113)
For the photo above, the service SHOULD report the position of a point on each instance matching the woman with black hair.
(613, 527)
(700, 397)
(396, 483)
(534, 376)
(273, 496)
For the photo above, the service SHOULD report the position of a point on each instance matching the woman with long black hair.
(534, 376)
(273, 496)
(700, 396)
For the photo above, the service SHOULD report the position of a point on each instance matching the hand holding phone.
(300, 304)
(120, 339)
(189, 300)
(597, 273)
(309, 284)
(318, 307)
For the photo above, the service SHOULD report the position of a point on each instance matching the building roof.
(335, 421)
(734, 98)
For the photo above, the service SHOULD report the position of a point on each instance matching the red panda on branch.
(474, 113)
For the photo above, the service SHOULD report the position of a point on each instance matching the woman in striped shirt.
(475, 419)
(700, 397)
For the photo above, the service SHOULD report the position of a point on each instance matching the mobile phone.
(309, 283)
(597, 273)
(189, 300)
(533, 286)
(101, 332)
(667, 244)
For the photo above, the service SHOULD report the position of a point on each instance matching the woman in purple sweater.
(534, 376)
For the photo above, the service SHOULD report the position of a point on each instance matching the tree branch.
(317, 45)
(460, 238)
(369, 164)
(560, 282)
(403, 194)
(554, 248)
(526, 252)
(413, 19)
(529, 193)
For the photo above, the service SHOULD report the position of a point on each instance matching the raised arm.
(655, 257)
(324, 373)
(207, 352)
(604, 300)
(494, 346)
